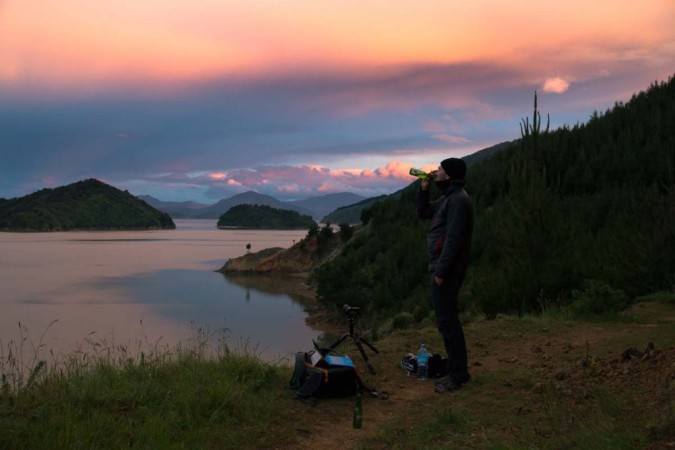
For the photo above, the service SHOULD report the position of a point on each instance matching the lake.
(64, 291)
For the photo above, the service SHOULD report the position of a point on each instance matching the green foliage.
(597, 298)
(346, 232)
(264, 217)
(667, 297)
(592, 202)
(402, 320)
(313, 230)
(326, 233)
(381, 268)
(88, 204)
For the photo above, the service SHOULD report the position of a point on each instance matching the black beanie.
(455, 168)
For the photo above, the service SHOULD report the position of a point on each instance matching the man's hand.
(425, 184)
(438, 280)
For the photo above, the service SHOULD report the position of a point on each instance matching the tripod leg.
(357, 342)
(372, 347)
(338, 342)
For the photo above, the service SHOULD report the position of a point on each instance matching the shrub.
(326, 233)
(346, 232)
(597, 298)
(401, 321)
(661, 296)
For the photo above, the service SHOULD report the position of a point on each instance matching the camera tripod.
(352, 316)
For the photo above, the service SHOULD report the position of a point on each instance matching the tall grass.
(200, 394)
(22, 362)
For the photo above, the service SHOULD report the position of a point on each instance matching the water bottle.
(422, 363)
(421, 174)
(358, 410)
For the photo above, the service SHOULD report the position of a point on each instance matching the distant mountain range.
(351, 214)
(317, 207)
(343, 207)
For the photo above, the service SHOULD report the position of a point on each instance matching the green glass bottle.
(421, 174)
(358, 410)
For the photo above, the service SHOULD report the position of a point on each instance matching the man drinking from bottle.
(448, 248)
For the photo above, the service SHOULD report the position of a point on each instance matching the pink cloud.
(399, 169)
(449, 138)
(217, 176)
(555, 85)
(317, 168)
(313, 179)
(327, 187)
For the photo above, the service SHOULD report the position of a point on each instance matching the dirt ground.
(521, 369)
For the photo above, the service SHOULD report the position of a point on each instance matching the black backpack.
(322, 377)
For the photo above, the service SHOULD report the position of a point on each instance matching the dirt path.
(512, 363)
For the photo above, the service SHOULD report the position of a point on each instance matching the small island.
(264, 217)
(85, 205)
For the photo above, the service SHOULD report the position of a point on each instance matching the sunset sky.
(203, 99)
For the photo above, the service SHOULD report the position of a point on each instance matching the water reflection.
(272, 284)
(106, 284)
(256, 309)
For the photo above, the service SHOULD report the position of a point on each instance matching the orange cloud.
(71, 41)
(217, 176)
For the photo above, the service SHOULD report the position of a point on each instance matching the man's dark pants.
(444, 299)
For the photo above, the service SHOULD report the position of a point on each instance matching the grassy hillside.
(85, 205)
(583, 216)
(553, 383)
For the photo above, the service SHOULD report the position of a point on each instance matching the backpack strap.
(311, 384)
(306, 378)
(296, 379)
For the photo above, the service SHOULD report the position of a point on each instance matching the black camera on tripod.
(351, 311)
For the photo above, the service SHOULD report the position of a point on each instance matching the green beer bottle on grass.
(358, 410)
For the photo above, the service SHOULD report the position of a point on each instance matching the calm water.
(145, 287)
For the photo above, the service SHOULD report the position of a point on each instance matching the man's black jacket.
(449, 237)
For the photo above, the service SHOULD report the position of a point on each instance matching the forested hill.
(583, 215)
(85, 205)
(264, 217)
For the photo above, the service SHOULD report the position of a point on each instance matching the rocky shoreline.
(294, 260)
